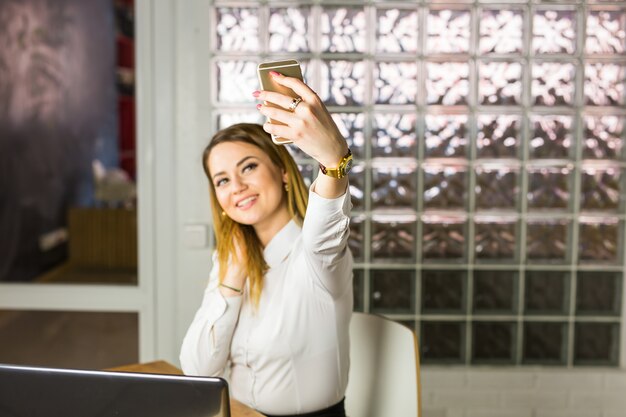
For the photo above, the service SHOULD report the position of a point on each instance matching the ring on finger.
(294, 103)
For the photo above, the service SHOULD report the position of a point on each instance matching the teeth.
(246, 201)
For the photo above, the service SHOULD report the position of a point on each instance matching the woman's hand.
(309, 125)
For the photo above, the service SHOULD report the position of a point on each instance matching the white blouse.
(291, 355)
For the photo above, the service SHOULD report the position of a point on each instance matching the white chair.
(384, 376)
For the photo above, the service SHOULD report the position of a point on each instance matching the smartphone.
(289, 68)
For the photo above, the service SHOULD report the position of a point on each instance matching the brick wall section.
(525, 392)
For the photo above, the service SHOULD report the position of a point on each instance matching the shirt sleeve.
(325, 233)
(206, 346)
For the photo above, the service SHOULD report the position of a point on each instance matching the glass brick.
(554, 32)
(356, 242)
(553, 84)
(545, 343)
(604, 84)
(395, 83)
(497, 186)
(236, 79)
(307, 66)
(309, 172)
(351, 126)
(343, 83)
(493, 342)
(546, 292)
(237, 29)
(495, 238)
(603, 137)
(394, 184)
(447, 83)
(601, 187)
(599, 240)
(357, 186)
(549, 187)
(501, 31)
(596, 343)
(445, 186)
(499, 136)
(396, 30)
(295, 152)
(394, 135)
(343, 29)
(289, 29)
(500, 83)
(444, 237)
(495, 292)
(552, 136)
(446, 136)
(358, 289)
(392, 291)
(598, 293)
(548, 240)
(443, 292)
(605, 32)
(442, 341)
(225, 120)
(393, 237)
(448, 31)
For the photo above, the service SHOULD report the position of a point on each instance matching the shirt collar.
(279, 247)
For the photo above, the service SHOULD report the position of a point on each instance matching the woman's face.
(249, 186)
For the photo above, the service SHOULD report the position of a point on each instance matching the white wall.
(173, 80)
(523, 392)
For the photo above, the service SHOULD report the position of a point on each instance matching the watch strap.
(340, 171)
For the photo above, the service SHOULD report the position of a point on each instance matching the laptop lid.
(51, 392)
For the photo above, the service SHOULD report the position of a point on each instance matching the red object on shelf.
(126, 133)
(125, 49)
(129, 164)
(126, 123)
(125, 52)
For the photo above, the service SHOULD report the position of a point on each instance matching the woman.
(276, 312)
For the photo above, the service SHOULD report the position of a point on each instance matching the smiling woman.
(277, 308)
(249, 180)
(248, 187)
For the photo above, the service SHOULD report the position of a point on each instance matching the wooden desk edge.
(237, 409)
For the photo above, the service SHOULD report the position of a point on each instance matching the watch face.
(348, 166)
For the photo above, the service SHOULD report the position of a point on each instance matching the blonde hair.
(228, 231)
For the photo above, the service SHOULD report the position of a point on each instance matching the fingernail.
(256, 93)
(258, 106)
(274, 73)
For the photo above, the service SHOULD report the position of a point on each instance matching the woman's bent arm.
(206, 346)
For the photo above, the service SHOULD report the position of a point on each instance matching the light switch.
(196, 236)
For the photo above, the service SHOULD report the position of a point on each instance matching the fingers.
(277, 113)
(276, 98)
(278, 130)
(301, 90)
(297, 85)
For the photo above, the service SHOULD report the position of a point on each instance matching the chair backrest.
(384, 369)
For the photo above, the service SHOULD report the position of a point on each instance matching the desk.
(237, 409)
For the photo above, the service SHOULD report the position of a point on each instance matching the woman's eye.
(249, 167)
(221, 182)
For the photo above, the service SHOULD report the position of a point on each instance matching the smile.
(246, 202)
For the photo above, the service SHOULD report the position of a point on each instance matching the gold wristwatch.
(345, 165)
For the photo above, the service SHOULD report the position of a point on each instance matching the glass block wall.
(489, 138)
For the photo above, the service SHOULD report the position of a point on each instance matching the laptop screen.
(51, 392)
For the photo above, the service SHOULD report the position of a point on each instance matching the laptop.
(52, 392)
